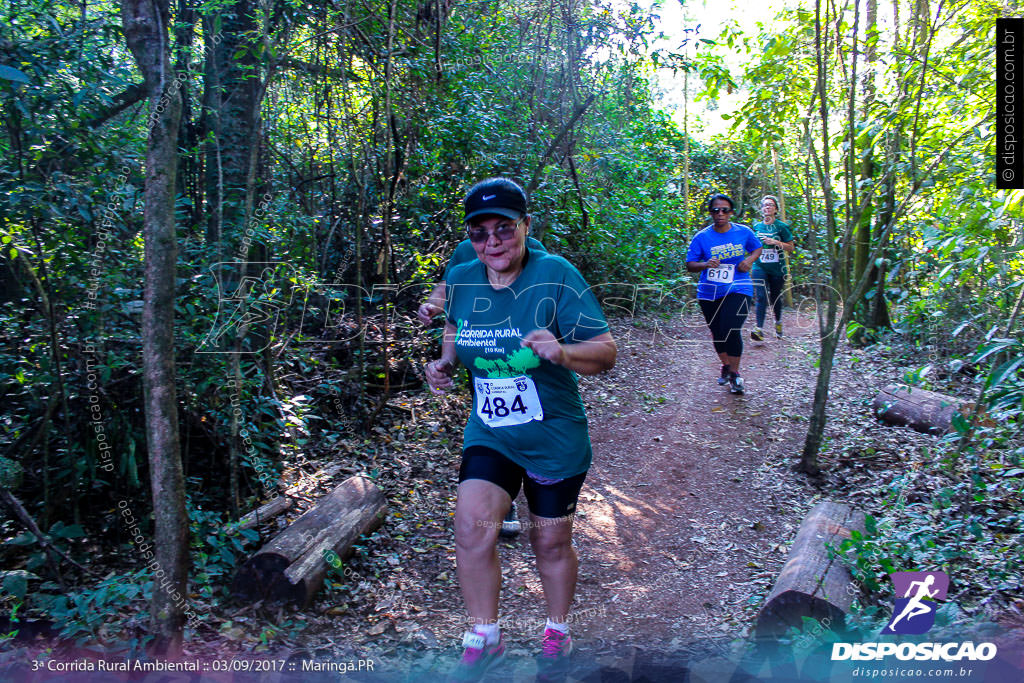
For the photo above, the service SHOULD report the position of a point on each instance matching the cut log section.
(292, 566)
(811, 584)
(921, 410)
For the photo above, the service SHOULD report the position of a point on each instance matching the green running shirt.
(549, 293)
(777, 231)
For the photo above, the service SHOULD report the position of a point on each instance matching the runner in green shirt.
(434, 305)
(464, 253)
(524, 323)
(769, 271)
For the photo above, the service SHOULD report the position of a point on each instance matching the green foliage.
(963, 516)
(955, 246)
(217, 547)
(606, 195)
(102, 612)
(15, 583)
(58, 535)
(368, 139)
(113, 609)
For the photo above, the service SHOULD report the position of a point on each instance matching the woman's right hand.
(713, 263)
(427, 311)
(439, 375)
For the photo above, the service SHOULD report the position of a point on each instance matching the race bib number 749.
(507, 401)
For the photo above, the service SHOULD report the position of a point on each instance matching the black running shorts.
(545, 500)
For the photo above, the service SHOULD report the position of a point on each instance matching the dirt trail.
(690, 496)
(684, 521)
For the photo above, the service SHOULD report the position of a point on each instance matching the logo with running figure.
(914, 612)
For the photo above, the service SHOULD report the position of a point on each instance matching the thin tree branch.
(535, 180)
(19, 512)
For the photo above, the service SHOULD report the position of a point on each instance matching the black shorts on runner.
(545, 500)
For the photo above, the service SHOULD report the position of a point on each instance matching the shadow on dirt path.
(690, 497)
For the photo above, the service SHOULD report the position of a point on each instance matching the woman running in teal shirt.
(523, 322)
(769, 271)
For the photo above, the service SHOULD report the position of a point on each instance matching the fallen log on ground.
(812, 584)
(275, 506)
(921, 410)
(292, 566)
(265, 512)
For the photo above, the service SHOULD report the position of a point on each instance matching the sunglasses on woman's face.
(720, 209)
(504, 231)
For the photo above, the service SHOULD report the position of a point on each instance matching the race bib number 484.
(723, 274)
(505, 402)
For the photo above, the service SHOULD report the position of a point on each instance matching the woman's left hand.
(743, 266)
(545, 345)
(439, 375)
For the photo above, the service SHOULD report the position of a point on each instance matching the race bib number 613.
(507, 401)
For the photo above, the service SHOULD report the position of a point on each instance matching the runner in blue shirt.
(723, 254)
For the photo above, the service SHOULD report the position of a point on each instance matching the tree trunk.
(811, 584)
(145, 29)
(880, 316)
(853, 291)
(231, 91)
(853, 194)
(686, 154)
(816, 426)
(781, 194)
(235, 364)
(190, 161)
(283, 502)
(265, 512)
(862, 244)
